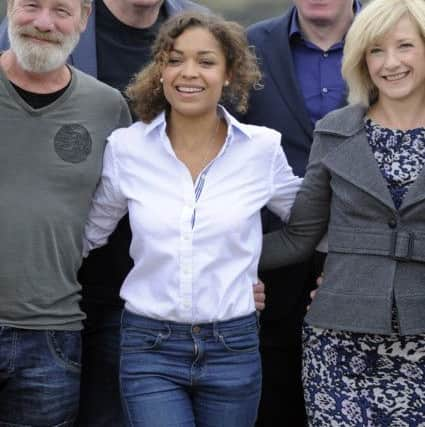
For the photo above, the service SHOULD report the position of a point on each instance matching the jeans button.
(196, 329)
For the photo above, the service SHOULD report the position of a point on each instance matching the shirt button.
(405, 138)
(326, 54)
(392, 223)
(196, 329)
(325, 90)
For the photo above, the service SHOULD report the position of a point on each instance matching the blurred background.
(244, 11)
(247, 11)
(2, 8)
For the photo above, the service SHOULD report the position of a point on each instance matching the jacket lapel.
(278, 63)
(354, 161)
(416, 192)
(172, 7)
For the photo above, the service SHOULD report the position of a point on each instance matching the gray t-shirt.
(50, 163)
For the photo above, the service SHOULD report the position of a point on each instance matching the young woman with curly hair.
(194, 180)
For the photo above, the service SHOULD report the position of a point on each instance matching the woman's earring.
(226, 83)
(161, 80)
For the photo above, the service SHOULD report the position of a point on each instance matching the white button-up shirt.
(195, 246)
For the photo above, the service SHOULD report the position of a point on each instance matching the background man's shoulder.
(177, 6)
(265, 26)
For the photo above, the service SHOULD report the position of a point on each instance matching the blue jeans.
(100, 402)
(180, 375)
(39, 377)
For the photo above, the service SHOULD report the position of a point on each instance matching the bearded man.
(54, 122)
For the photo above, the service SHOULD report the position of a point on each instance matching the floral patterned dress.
(369, 380)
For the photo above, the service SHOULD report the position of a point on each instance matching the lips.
(395, 77)
(189, 89)
(39, 39)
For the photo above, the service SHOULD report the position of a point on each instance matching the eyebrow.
(201, 52)
(406, 39)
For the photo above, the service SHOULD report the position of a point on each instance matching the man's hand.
(319, 281)
(259, 295)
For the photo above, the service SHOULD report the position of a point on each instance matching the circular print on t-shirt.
(73, 143)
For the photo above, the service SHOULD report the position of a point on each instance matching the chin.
(192, 111)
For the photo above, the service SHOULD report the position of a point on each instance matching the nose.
(43, 21)
(391, 59)
(190, 69)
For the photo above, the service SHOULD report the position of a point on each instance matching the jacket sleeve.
(4, 39)
(308, 219)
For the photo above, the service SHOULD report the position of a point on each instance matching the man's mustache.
(28, 31)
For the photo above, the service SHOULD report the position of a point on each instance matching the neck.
(191, 133)
(48, 82)
(401, 115)
(325, 34)
(134, 15)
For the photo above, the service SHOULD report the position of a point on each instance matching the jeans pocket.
(137, 339)
(243, 342)
(65, 347)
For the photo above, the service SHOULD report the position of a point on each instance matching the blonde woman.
(364, 338)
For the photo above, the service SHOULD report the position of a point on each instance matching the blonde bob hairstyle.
(373, 22)
(145, 91)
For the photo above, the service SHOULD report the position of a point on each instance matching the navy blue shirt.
(318, 71)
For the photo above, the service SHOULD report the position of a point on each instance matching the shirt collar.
(159, 122)
(294, 27)
(235, 128)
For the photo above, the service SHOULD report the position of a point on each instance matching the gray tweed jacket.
(376, 253)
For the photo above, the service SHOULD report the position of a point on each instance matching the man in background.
(300, 56)
(54, 122)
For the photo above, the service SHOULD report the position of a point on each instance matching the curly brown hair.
(145, 91)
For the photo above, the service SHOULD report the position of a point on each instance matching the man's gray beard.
(43, 57)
